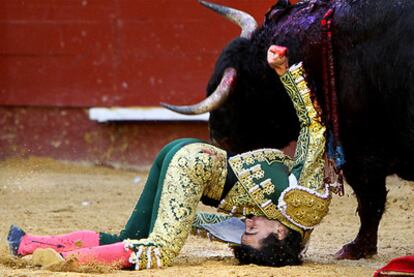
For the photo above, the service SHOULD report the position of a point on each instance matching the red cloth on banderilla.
(397, 265)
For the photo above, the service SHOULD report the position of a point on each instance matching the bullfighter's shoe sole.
(46, 257)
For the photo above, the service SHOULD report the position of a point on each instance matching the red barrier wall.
(110, 52)
(60, 57)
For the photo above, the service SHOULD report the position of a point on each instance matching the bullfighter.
(281, 199)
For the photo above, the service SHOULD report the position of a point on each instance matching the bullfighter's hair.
(273, 252)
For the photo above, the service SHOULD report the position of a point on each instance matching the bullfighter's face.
(258, 228)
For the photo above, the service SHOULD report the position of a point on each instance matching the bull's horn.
(244, 20)
(215, 100)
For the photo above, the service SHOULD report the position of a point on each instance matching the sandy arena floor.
(48, 197)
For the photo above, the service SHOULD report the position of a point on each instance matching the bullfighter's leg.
(140, 221)
(114, 255)
(138, 225)
(368, 184)
(28, 243)
(111, 254)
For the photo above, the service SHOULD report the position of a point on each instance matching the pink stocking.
(60, 243)
(110, 254)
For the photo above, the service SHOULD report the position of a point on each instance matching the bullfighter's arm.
(309, 156)
(208, 218)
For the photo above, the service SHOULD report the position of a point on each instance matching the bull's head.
(247, 103)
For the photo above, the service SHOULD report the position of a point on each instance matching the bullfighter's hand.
(277, 59)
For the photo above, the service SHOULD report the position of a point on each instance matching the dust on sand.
(49, 197)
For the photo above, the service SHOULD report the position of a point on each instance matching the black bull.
(373, 52)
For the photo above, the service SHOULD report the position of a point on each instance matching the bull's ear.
(282, 4)
(276, 10)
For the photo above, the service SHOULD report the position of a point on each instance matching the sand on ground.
(45, 196)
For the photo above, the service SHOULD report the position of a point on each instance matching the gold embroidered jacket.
(271, 184)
